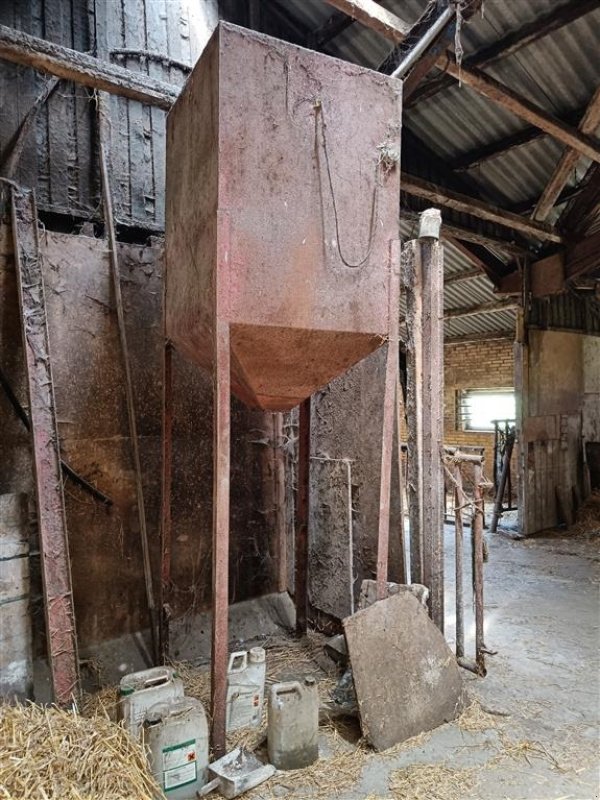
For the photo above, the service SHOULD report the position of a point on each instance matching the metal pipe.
(428, 38)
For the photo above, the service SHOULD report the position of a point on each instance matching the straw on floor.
(50, 754)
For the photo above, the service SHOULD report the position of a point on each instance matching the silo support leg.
(220, 543)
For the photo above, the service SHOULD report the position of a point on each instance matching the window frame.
(461, 395)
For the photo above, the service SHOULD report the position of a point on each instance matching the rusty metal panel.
(52, 524)
(290, 156)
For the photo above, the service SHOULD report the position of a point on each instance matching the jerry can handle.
(291, 687)
(158, 680)
(241, 657)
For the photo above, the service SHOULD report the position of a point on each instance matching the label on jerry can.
(179, 765)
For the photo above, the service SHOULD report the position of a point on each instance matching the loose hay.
(476, 718)
(338, 769)
(588, 516)
(432, 782)
(51, 754)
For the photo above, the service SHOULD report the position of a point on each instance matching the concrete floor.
(542, 618)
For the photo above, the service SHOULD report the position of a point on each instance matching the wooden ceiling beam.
(485, 262)
(493, 307)
(521, 107)
(473, 338)
(514, 41)
(21, 48)
(497, 148)
(374, 16)
(567, 162)
(461, 277)
(337, 23)
(462, 203)
(370, 14)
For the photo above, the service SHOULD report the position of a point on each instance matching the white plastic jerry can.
(175, 734)
(293, 732)
(245, 688)
(139, 691)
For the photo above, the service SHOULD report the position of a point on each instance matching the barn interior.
(300, 388)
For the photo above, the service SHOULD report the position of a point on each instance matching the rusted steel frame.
(129, 390)
(302, 516)
(165, 514)
(459, 561)
(477, 533)
(220, 544)
(389, 413)
(279, 495)
(52, 523)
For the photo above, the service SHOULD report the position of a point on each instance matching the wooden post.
(424, 282)
(459, 562)
(477, 535)
(220, 543)
(302, 517)
(165, 521)
(387, 439)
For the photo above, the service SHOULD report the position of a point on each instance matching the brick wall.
(477, 365)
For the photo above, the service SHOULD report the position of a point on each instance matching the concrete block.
(406, 677)
(368, 592)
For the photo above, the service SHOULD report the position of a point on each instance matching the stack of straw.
(51, 754)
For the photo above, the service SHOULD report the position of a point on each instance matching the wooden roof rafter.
(480, 82)
(511, 43)
(567, 162)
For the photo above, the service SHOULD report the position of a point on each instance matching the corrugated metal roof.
(559, 73)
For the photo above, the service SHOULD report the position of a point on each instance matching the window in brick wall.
(477, 408)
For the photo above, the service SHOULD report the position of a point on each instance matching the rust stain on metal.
(56, 569)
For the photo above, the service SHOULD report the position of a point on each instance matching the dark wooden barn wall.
(58, 158)
(158, 37)
(105, 545)
(550, 374)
